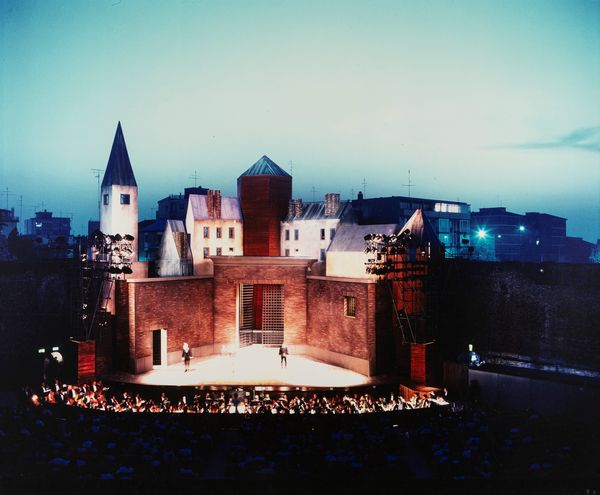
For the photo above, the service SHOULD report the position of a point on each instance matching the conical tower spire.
(118, 170)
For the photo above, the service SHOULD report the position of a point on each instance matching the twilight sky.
(490, 102)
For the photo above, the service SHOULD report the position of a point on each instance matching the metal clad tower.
(264, 190)
(119, 194)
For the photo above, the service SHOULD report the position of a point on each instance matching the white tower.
(119, 194)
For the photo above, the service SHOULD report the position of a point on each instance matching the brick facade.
(229, 273)
(329, 329)
(182, 306)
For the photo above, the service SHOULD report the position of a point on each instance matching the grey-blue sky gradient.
(489, 102)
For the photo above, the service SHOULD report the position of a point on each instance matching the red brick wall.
(182, 306)
(264, 202)
(229, 274)
(328, 328)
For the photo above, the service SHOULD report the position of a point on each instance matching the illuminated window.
(350, 306)
(125, 199)
(219, 252)
(206, 232)
(287, 234)
(231, 233)
(218, 232)
(322, 234)
(446, 208)
(206, 253)
(105, 199)
(296, 234)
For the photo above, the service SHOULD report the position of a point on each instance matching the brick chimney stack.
(332, 204)
(217, 203)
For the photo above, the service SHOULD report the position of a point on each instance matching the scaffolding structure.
(409, 267)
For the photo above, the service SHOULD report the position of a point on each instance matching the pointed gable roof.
(266, 166)
(118, 170)
(420, 227)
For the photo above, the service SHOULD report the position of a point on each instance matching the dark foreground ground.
(469, 445)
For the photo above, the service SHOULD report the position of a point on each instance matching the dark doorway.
(159, 347)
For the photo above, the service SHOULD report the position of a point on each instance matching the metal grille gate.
(261, 314)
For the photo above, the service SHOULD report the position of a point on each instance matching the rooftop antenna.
(291, 162)
(21, 208)
(7, 192)
(410, 183)
(313, 191)
(96, 172)
(195, 177)
(364, 184)
(352, 193)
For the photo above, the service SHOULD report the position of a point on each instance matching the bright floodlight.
(481, 233)
(522, 228)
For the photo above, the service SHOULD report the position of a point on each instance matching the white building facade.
(309, 228)
(214, 224)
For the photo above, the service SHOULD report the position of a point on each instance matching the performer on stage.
(283, 352)
(186, 354)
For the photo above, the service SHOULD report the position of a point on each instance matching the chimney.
(210, 204)
(332, 204)
(217, 203)
(298, 208)
(291, 203)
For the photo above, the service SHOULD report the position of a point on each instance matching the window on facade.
(206, 253)
(331, 234)
(322, 234)
(231, 233)
(287, 234)
(296, 234)
(231, 250)
(287, 252)
(206, 232)
(105, 199)
(350, 306)
(322, 255)
(219, 251)
(218, 232)
(464, 226)
(125, 199)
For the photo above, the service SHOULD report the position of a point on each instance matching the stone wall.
(533, 313)
(38, 303)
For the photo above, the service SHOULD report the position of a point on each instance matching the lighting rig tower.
(409, 264)
(110, 259)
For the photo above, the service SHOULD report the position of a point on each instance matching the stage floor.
(254, 366)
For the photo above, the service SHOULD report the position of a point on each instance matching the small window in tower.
(218, 232)
(287, 234)
(206, 253)
(331, 234)
(231, 233)
(350, 306)
(105, 199)
(219, 252)
(322, 234)
(206, 232)
(125, 199)
(322, 255)
(296, 234)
